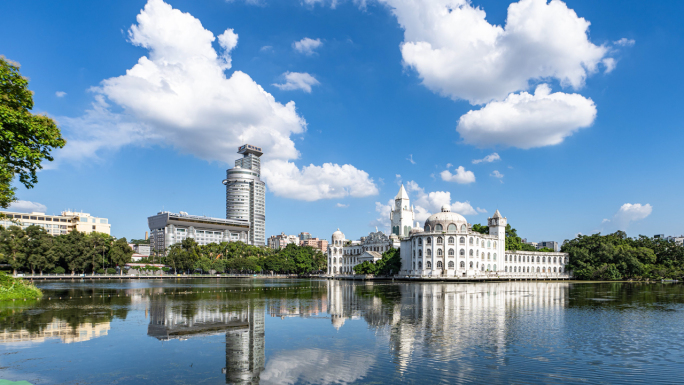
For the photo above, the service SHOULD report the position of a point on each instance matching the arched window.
(554, 259)
(506, 257)
(439, 252)
(414, 253)
(471, 252)
(420, 264)
(463, 265)
(463, 228)
(334, 260)
(439, 240)
(420, 253)
(427, 228)
(471, 265)
(554, 269)
(494, 268)
(428, 253)
(414, 265)
(461, 240)
(543, 259)
(506, 269)
(543, 270)
(470, 241)
(439, 265)
(482, 243)
(489, 256)
(335, 269)
(462, 252)
(495, 244)
(489, 267)
(428, 241)
(451, 227)
(451, 252)
(537, 269)
(428, 265)
(451, 265)
(477, 253)
(494, 256)
(515, 269)
(451, 240)
(420, 241)
(537, 259)
(438, 227)
(560, 269)
(482, 267)
(489, 244)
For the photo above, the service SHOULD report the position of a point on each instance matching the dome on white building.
(337, 236)
(416, 230)
(443, 220)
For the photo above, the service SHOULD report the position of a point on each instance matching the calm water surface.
(251, 331)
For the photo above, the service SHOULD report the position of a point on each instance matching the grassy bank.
(15, 288)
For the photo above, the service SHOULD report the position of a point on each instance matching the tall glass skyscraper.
(246, 193)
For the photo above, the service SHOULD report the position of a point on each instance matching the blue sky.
(584, 119)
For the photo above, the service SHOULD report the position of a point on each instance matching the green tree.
(480, 229)
(73, 251)
(366, 267)
(98, 245)
(25, 139)
(120, 253)
(13, 247)
(39, 249)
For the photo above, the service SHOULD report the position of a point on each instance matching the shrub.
(16, 288)
(58, 270)
(111, 270)
(100, 271)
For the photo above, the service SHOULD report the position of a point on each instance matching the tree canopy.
(25, 139)
(389, 264)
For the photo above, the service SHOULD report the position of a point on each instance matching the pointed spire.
(402, 193)
(497, 214)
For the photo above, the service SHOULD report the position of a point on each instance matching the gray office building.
(168, 228)
(246, 193)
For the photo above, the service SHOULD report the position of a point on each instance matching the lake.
(249, 331)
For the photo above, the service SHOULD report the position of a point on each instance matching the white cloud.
(298, 81)
(629, 213)
(410, 159)
(460, 176)
(317, 182)
(27, 207)
(383, 220)
(609, 63)
(624, 42)
(425, 204)
(479, 210)
(458, 53)
(496, 174)
(304, 366)
(307, 46)
(342, 205)
(525, 120)
(60, 94)
(179, 95)
(266, 48)
(487, 159)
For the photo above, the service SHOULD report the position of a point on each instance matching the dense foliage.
(25, 139)
(34, 250)
(16, 288)
(616, 256)
(389, 264)
(238, 257)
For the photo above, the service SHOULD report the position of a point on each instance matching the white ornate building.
(445, 247)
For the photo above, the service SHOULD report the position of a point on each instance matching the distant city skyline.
(570, 130)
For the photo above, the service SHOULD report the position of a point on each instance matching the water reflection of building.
(448, 318)
(242, 323)
(296, 307)
(57, 329)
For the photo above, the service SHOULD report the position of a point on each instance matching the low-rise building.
(142, 249)
(58, 224)
(304, 236)
(168, 228)
(553, 245)
(319, 244)
(277, 242)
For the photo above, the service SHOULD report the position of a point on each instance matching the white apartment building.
(58, 224)
(168, 228)
(277, 242)
(246, 193)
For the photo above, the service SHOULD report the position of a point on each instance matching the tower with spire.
(497, 226)
(402, 214)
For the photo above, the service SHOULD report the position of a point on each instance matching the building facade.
(246, 193)
(277, 242)
(168, 228)
(66, 222)
(319, 244)
(446, 246)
